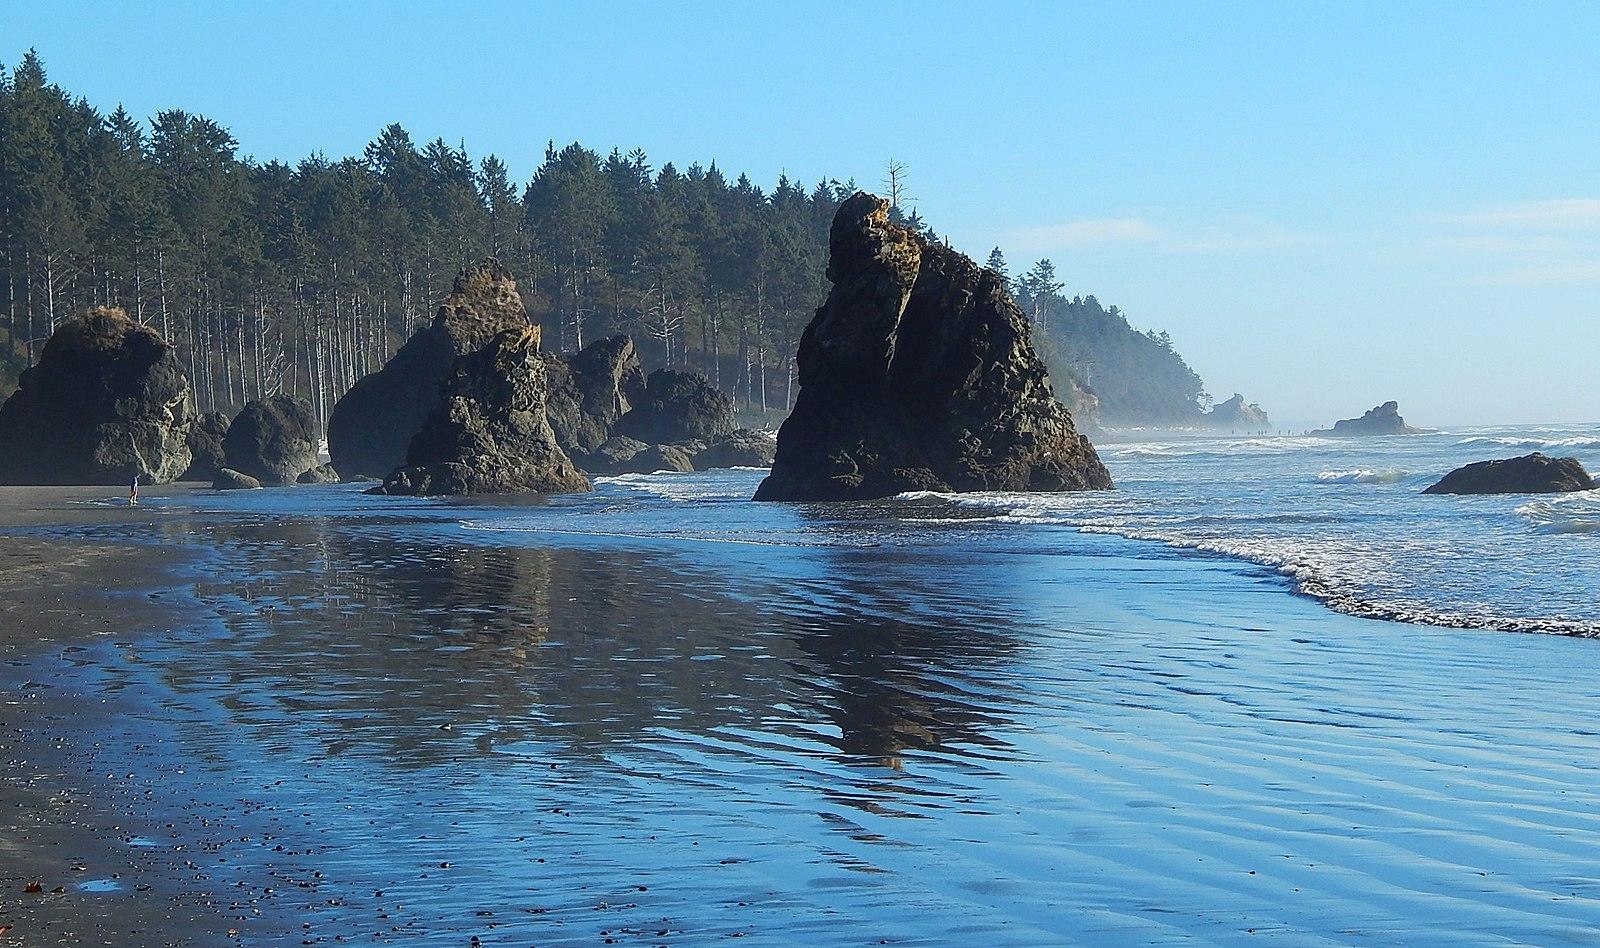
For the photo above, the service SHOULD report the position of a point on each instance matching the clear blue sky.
(1327, 205)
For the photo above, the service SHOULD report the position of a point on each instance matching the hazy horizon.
(1326, 209)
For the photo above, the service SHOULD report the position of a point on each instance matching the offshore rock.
(107, 400)
(207, 456)
(678, 406)
(372, 425)
(917, 373)
(229, 479)
(741, 448)
(1383, 420)
(321, 474)
(590, 390)
(488, 433)
(1531, 474)
(273, 440)
(1236, 414)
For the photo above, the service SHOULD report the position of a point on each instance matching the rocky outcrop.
(654, 459)
(741, 448)
(678, 406)
(488, 433)
(107, 400)
(1236, 414)
(590, 390)
(372, 425)
(917, 374)
(273, 440)
(321, 474)
(207, 456)
(1531, 474)
(229, 479)
(1383, 420)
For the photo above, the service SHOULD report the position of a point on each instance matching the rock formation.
(1383, 420)
(741, 448)
(229, 479)
(917, 374)
(1531, 474)
(205, 447)
(273, 440)
(321, 474)
(372, 425)
(107, 400)
(1236, 414)
(590, 390)
(678, 406)
(488, 433)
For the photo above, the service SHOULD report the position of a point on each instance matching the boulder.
(488, 433)
(370, 427)
(207, 456)
(107, 400)
(1383, 420)
(741, 448)
(1531, 474)
(321, 474)
(1236, 414)
(590, 390)
(917, 373)
(655, 458)
(612, 456)
(273, 440)
(678, 406)
(229, 479)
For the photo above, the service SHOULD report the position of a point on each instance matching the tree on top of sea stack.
(917, 374)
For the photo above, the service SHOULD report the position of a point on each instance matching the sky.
(1326, 205)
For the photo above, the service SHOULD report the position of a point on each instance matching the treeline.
(270, 277)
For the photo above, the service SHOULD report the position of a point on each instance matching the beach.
(311, 715)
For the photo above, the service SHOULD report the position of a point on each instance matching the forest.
(302, 278)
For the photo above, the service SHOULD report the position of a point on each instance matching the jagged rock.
(1383, 420)
(207, 456)
(590, 390)
(321, 474)
(371, 427)
(229, 479)
(917, 374)
(107, 400)
(741, 448)
(1236, 414)
(678, 406)
(1531, 474)
(273, 440)
(489, 433)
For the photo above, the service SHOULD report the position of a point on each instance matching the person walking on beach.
(133, 491)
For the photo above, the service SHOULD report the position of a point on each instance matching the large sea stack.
(917, 374)
(273, 440)
(107, 400)
(371, 426)
(678, 406)
(1236, 414)
(1530, 474)
(590, 390)
(488, 433)
(1377, 422)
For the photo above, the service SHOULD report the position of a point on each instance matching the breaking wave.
(1580, 441)
(1570, 513)
(1363, 476)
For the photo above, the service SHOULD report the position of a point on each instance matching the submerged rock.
(488, 433)
(107, 400)
(1383, 420)
(1236, 414)
(917, 374)
(229, 479)
(207, 456)
(371, 427)
(1531, 474)
(678, 406)
(741, 448)
(590, 390)
(273, 440)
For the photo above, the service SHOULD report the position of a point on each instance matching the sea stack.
(1382, 420)
(273, 440)
(107, 400)
(917, 373)
(1236, 414)
(488, 433)
(1531, 474)
(370, 427)
(590, 390)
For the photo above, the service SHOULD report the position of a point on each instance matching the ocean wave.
(1363, 476)
(1579, 441)
(1569, 513)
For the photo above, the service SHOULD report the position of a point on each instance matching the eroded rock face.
(590, 390)
(107, 400)
(488, 433)
(678, 406)
(741, 448)
(917, 374)
(1531, 474)
(205, 446)
(1382, 420)
(273, 440)
(1236, 414)
(371, 427)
